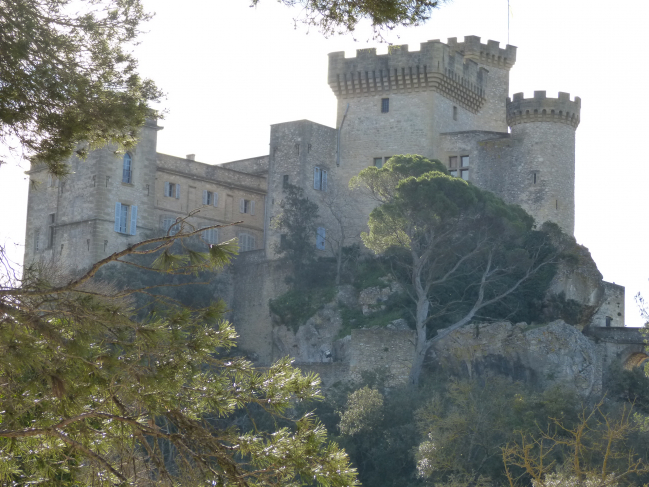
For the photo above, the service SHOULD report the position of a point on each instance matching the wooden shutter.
(242, 205)
(167, 188)
(316, 178)
(133, 219)
(204, 196)
(324, 180)
(252, 207)
(216, 199)
(177, 191)
(118, 214)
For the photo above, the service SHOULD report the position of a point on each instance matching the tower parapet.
(489, 54)
(435, 67)
(543, 109)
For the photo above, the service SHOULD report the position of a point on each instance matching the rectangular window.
(246, 242)
(452, 162)
(125, 219)
(454, 113)
(172, 190)
(169, 225)
(464, 161)
(319, 179)
(51, 219)
(210, 198)
(320, 238)
(385, 105)
(285, 181)
(246, 206)
(126, 169)
(378, 162)
(464, 173)
(211, 236)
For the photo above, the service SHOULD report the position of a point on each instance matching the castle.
(447, 101)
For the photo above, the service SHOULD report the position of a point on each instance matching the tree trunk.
(421, 344)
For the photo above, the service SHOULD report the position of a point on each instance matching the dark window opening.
(385, 105)
(285, 181)
(609, 321)
(534, 178)
(454, 113)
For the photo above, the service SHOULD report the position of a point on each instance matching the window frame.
(320, 178)
(321, 238)
(456, 167)
(247, 242)
(125, 219)
(127, 173)
(385, 105)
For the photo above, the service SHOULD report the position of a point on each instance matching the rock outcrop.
(546, 355)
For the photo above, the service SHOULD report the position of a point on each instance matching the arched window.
(127, 173)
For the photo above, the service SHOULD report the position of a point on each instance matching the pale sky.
(230, 71)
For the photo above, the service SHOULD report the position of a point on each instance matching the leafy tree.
(297, 222)
(91, 396)
(342, 16)
(68, 82)
(595, 452)
(463, 249)
(467, 424)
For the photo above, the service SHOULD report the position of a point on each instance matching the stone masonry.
(447, 101)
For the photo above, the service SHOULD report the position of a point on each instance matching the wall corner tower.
(541, 177)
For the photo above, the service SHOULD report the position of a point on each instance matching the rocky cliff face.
(546, 355)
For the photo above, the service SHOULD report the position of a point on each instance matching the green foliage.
(363, 412)
(397, 306)
(462, 252)
(296, 306)
(628, 385)
(340, 17)
(69, 82)
(297, 222)
(92, 396)
(466, 425)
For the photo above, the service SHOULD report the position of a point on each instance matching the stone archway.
(635, 360)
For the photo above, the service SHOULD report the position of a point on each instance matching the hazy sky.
(230, 71)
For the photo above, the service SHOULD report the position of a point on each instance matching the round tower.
(542, 176)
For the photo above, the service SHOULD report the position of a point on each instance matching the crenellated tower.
(401, 102)
(541, 176)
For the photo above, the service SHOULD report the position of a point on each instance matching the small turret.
(542, 109)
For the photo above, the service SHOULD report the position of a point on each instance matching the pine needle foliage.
(92, 396)
(69, 82)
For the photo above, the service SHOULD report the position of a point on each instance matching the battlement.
(435, 67)
(543, 109)
(490, 53)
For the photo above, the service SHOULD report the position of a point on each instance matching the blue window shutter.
(216, 199)
(177, 191)
(133, 219)
(167, 188)
(320, 239)
(118, 214)
(316, 178)
(324, 180)
(204, 196)
(252, 207)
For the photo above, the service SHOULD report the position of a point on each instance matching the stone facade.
(447, 101)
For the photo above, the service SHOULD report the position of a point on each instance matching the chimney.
(191, 157)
